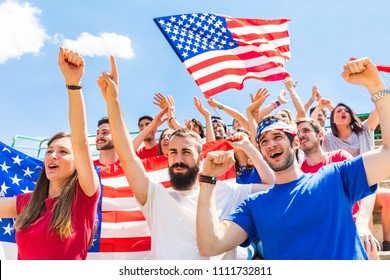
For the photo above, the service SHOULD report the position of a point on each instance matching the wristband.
(208, 179)
(380, 94)
(73, 87)
(276, 103)
(220, 107)
(171, 119)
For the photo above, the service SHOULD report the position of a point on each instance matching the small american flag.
(221, 52)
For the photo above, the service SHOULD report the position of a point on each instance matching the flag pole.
(215, 110)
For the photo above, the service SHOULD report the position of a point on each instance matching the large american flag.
(122, 230)
(220, 52)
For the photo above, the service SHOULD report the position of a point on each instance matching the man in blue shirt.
(303, 216)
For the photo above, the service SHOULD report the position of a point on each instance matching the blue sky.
(323, 36)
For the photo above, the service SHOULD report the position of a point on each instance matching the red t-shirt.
(146, 153)
(36, 242)
(330, 157)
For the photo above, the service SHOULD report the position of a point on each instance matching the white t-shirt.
(356, 144)
(171, 216)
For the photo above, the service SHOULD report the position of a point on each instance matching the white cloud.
(21, 31)
(103, 45)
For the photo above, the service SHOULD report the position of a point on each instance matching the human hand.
(159, 117)
(363, 72)
(290, 84)
(188, 123)
(370, 243)
(160, 100)
(315, 93)
(108, 82)
(199, 106)
(170, 106)
(282, 97)
(324, 103)
(258, 100)
(71, 65)
(217, 163)
(213, 103)
(238, 140)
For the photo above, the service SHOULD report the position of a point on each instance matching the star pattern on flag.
(17, 160)
(4, 167)
(220, 52)
(8, 229)
(4, 189)
(18, 174)
(197, 33)
(27, 172)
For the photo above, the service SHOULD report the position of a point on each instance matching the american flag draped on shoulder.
(220, 52)
(119, 232)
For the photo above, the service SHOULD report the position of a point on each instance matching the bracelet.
(73, 87)
(171, 119)
(276, 103)
(380, 94)
(220, 107)
(208, 179)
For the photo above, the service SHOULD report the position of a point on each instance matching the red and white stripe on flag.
(221, 52)
(264, 46)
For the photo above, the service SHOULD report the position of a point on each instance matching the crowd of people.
(301, 190)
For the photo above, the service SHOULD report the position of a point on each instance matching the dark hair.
(160, 152)
(219, 119)
(313, 108)
(144, 117)
(314, 124)
(102, 121)
(356, 124)
(184, 133)
(199, 124)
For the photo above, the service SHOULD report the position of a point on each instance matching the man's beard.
(287, 163)
(108, 146)
(183, 181)
(310, 148)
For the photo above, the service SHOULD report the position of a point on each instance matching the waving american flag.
(221, 52)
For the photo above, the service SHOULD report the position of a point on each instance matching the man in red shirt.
(150, 148)
(311, 135)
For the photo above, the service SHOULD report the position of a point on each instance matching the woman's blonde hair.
(61, 220)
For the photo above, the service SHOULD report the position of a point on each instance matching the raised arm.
(214, 237)
(158, 120)
(373, 120)
(290, 86)
(315, 96)
(364, 72)
(322, 103)
(240, 141)
(275, 104)
(132, 165)
(207, 116)
(230, 111)
(72, 67)
(253, 109)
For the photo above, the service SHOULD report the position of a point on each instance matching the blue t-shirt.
(248, 176)
(309, 218)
